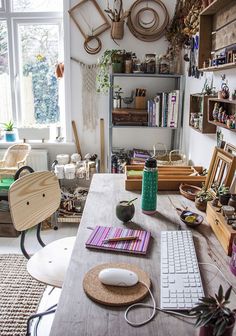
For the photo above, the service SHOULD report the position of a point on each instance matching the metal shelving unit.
(176, 132)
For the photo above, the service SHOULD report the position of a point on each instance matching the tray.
(169, 177)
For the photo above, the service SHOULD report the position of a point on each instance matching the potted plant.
(202, 197)
(223, 194)
(110, 57)
(10, 135)
(117, 16)
(213, 315)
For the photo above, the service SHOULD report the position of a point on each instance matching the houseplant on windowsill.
(213, 315)
(10, 135)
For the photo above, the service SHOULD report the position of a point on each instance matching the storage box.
(222, 230)
(169, 177)
(6, 227)
(129, 117)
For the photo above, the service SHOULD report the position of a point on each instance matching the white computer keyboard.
(181, 285)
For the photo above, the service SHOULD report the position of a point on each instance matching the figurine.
(215, 111)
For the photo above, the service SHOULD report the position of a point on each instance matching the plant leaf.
(220, 293)
(221, 329)
(228, 292)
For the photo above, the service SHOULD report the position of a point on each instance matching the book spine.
(154, 114)
(150, 113)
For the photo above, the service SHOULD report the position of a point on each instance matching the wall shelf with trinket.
(222, 112)
(198, 118)
(217, 47)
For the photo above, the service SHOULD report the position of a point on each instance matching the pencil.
(116, 239)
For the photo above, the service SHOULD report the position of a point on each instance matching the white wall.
(200, 146)
(90, 139)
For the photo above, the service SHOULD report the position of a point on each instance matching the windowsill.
(38, 143)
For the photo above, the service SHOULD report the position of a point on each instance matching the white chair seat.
(49, 264)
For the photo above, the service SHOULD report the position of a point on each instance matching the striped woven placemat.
(20, 295)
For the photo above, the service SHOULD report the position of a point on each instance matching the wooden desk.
(78, 315)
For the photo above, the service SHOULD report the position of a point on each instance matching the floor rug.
(20, 295)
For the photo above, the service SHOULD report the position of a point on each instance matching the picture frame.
(93, 24)
(221, 170)
(230, 148)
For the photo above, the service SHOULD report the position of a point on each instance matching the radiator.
(37, 159)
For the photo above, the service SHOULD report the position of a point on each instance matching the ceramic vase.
(232, 201)
(224, 199)
(208, 330)
(201, 205)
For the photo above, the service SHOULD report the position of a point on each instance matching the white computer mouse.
(118, 277)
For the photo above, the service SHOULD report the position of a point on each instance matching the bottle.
(149, 187)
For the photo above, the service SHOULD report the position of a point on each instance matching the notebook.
(101, 233)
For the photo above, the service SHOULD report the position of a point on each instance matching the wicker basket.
(167, 158)
(117, 30)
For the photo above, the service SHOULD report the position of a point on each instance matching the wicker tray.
(189, 191)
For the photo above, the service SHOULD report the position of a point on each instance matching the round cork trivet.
(115, 295)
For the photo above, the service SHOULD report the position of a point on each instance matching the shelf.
(199, 105)
(215, 6)
(139, 126)
(219, 67)
(146, 75)
(216, 123)
(216, 34)
(128, 110)
(227, 101)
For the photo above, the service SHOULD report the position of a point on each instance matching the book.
(140, 154)
(100, 234)
(173, 106)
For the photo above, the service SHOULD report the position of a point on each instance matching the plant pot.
(117, 30)
(34, 133)
(232, 201)
(10, 136)
(208, 330)
(201, 205)
(117, 67)
(232, 264)
(125, 211)
(224, 199)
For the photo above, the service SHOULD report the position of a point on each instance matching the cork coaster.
(115, 295)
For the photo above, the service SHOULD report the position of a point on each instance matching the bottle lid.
(151, 163)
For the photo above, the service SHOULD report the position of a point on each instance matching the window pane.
(39, 47)
(37, 5)
(5, 101)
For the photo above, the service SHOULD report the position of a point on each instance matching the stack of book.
(163, 109)
(139, 156)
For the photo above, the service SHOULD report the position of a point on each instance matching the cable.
(154, 307)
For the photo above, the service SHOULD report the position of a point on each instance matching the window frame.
(13, 19)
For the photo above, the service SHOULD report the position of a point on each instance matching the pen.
(120, 239)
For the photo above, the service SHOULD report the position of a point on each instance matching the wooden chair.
(32, 199)
(14, 158)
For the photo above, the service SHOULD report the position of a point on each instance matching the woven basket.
(117, 30)
(167, 158)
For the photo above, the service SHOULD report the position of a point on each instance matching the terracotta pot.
(224, 199)
(200, 205)
(208, 330)
(117, 30)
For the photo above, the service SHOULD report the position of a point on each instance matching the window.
(30, 47)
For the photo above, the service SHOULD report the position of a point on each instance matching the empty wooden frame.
(89, 18)
(222, 169)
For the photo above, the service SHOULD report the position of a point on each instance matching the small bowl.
(189, 191)
(196, 222)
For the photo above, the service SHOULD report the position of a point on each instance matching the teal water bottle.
(149, 187)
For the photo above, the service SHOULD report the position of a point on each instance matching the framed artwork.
(89, 18)
(222, 169)
(230, 149)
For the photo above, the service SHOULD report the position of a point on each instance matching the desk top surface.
(78, 315)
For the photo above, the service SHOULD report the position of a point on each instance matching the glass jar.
(150, 63)
(164, 66)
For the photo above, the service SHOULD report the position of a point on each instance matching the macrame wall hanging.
(89, 94)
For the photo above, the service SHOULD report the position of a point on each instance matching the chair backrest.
(33, 198)
(15, 154)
